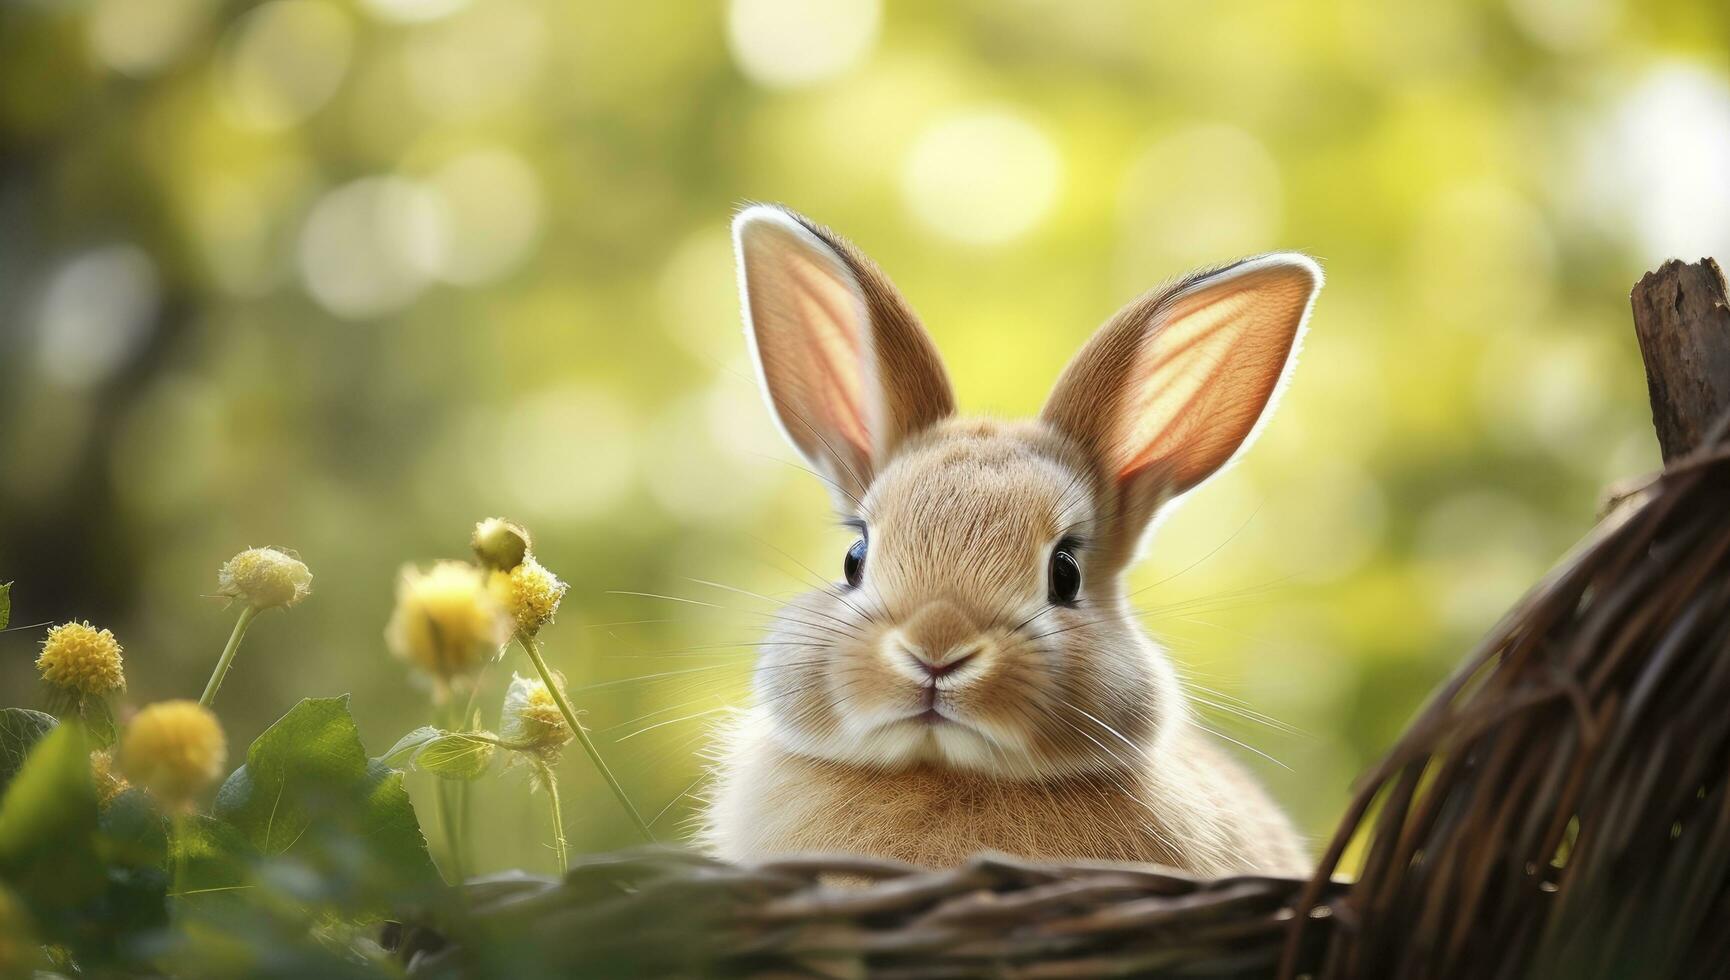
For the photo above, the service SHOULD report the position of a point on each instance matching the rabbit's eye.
(1065, 574)
(853, 566)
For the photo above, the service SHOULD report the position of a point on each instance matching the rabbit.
(978, 681)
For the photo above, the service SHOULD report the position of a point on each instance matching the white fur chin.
(901, 744)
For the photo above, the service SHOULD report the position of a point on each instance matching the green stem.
(177, 848)
(448, 819)
(551, 783)
(558, 693)
(463, 794)
(228, 653)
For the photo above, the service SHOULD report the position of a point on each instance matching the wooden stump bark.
(1682, 319)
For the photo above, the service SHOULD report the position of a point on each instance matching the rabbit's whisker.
(837, 457)
(1203, 559)
(755, 595)
(627, 622)
(623, 682)
(860, 504)
(824, 585)
(772, 617)
(1206, 602)
(681, 795)
(1247, 715)
(1193, 621)
(1242, 745)
(1112, 777)
(1084, 624)
(673, 721)
(707, 696)
(1108, 728)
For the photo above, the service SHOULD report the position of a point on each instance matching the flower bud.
(447, 621)
(82, 660)
(531, 718)
(174, 749)
(499, 544)
(265, 578)
(531, 593)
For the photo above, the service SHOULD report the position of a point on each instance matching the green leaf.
(213, 858)
(48, 824)
(5, 604)
(456, 755)
(132, 840)
(98, 719)
(308, 792)
(133, 830)
(20, 730)
(392, 830)
(301, 764)
(401, 755)
(450, 755)
(93, 875)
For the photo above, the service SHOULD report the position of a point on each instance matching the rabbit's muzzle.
(938, 648)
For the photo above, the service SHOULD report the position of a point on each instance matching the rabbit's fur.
(952, 701)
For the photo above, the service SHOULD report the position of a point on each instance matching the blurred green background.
(344, 277)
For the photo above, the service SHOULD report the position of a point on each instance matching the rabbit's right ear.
(1175, 385)
(847, 370)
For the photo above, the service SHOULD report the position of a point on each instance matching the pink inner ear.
(808, 326)
(1205, 375)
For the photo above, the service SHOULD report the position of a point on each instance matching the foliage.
(308, 834)
(308, 791)
(308, 844)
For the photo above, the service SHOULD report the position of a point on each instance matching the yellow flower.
(78, 657)
(531, 718)
(447, 621)
(500, 544)
(174, 749)
(531, 593)
(265, 578)
(109, 783)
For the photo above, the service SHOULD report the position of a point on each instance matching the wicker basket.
(1560, 809)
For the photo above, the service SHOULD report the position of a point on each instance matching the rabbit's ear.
(1177, 383)
(847, 370)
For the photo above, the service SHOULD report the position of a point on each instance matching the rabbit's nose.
(939, 626)
(945, 662)
(937, 641)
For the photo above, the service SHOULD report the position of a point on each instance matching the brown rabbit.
(978, 682)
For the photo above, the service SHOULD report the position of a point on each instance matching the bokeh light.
(787, 43)
(984, 176)
(284, 60)
(95, 314)
(482, 60)
(141, 39)
(1195, 194)
(414, 10)
(491, 202)
(369, 247)
(1659, 160)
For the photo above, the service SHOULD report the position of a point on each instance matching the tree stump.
(1682, 319)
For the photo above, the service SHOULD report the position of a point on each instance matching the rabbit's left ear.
(1177, 383)
(848, 371)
